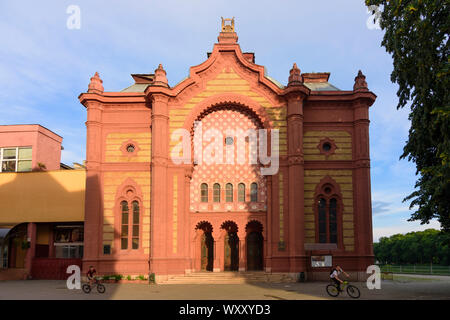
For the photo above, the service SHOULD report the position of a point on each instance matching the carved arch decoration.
(229, 226)
(226, 101)
(254, 226)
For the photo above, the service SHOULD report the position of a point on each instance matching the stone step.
(227, 278)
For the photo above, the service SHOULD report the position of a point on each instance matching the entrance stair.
(228, 278)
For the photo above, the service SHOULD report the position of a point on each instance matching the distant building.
(41, 206)
(29, 147)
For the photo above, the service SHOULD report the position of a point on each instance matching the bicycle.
(352, 291)
(100, 287)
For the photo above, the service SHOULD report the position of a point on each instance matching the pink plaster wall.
(46, 145)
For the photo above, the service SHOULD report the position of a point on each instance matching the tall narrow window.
(135, 234)
(204, 192)
(241, 192)
(216, 192)
(333, 221)
(124, 226)
(229, 192)
(328, 220)
(254, 192)
(322, 221)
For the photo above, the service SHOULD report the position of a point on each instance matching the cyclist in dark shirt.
(334, 275)
(91, 274)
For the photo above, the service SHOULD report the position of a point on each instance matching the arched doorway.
(207, 250)
(231, 246)
(255, 240)
(206, 246)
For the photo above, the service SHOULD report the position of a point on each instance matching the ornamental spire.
(295, 75)
(360, 82)
(160, 77)
(96, 86)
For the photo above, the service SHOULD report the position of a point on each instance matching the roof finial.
(96, 86)
(360, 82)
(227, 25)
(227, 34)
(160, 77)
(294, 75)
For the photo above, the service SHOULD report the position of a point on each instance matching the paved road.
(403, 287)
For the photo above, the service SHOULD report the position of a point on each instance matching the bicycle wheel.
(353, 291)
(86, 288)
(332, 290)
(101, 288)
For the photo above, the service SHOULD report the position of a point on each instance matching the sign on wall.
(321, 261)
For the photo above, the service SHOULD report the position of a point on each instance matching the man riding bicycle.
(334, 275)
(91, 275)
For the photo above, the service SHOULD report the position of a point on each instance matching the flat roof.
(28, 126)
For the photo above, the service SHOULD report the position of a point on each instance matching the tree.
(414, 247)
(416, 35)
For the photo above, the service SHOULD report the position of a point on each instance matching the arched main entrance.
(206, 246)
(231, 246)
(255, 240)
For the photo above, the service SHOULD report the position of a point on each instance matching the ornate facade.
(146, 214)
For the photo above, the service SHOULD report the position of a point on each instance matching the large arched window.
(254, 192)
(229, 192)
(129, 222)
(204, 192)
(241, 192)
(216, 192)
(327, 214)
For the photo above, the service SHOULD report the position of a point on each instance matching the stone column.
(361, 173)
(185, 213)
(363, 208)
(242, 250)
(31, 251)
(296, 226)
(218, 251)
(93, 199)
(93, 204)
(159, 236)
(269, 227)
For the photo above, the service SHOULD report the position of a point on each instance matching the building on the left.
(41, 205)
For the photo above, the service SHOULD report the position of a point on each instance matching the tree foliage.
(416, 35)
(414, 247)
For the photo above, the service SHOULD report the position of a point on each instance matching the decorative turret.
(360, 82)
(96, 86)
(160, 77)
(228, 34)
(294, 76)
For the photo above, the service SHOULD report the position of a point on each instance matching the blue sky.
(44, 66)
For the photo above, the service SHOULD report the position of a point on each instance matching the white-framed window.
(15, 159)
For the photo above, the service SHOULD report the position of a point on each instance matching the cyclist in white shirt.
(334, 275)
